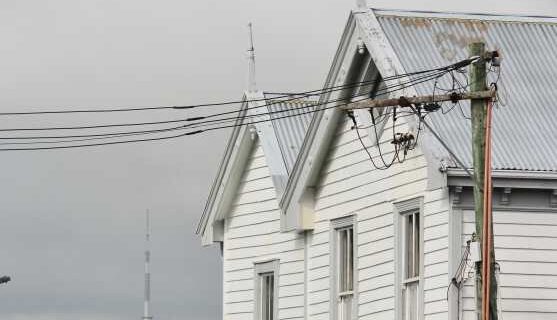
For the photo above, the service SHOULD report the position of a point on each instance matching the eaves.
(508, 179)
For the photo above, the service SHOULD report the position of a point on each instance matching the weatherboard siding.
(526, 248)
(350, 185)
(252, 235)
(436, 275)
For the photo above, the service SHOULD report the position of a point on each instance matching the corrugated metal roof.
(291, 118)
(524, 129)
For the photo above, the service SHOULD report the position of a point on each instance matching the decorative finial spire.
(252, 87)
(361, 4)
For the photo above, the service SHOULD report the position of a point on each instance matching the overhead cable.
(193, 106)
(216, 124)
(189, 119)
(200, 123)
(241, 123)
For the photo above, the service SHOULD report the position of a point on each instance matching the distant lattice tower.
(146, 314)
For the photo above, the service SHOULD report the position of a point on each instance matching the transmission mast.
(146, 314)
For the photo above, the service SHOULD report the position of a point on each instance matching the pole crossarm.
(408, 101)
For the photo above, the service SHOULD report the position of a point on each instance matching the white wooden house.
(309, 229)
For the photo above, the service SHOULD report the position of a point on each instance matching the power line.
(201, 124)
(238, 120)
(193, 106)
(192, 125)
(104, 136)
(120, 134)
(190, 119)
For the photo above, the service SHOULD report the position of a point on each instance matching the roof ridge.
(465, 15)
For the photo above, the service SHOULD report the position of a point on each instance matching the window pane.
(411, 265)
(416, 244)
(270, 294)
(410, 301)
(342, 260)
(267, 296)
(345, 252)
(411, 234)
(263, 297)
(350, 259)
(409, 246)
(345, 272)
(345, 308)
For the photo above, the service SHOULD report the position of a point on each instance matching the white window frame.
(338, 225)
(261, 271)
(402, 211)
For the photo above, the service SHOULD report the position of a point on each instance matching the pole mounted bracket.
(403, 102)
(454, 97)
(410, 101)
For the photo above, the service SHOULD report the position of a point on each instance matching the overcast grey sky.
(72, 221)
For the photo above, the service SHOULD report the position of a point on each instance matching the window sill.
(411, 280)
(345, 293)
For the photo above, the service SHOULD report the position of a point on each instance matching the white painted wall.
(526, 248)
(436, 254)
(350, 185)
(251, 235)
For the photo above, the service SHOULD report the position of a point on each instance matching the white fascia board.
(228, 178)
(268, 139)
(296, 200)
(228, 187)
(215, 188)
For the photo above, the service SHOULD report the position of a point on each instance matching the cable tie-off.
(193, 132)
(350, 115)
(195, 118)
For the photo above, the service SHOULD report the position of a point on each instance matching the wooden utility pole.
(479, 111)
